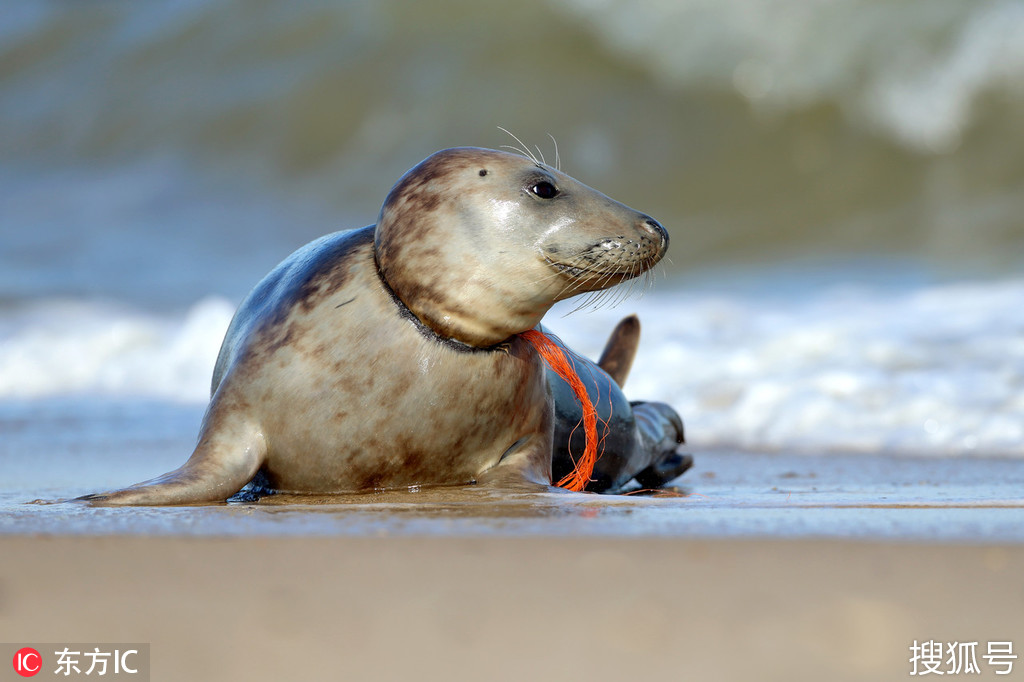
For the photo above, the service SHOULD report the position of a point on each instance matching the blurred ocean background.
(843, 182)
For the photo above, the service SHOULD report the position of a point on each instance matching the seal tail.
(560, 363)
(619, 352)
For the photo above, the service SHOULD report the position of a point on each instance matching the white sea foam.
(937, 370)
(63, 347)
(929, 369)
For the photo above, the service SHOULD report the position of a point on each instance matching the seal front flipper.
(526, 464)
(230, 452)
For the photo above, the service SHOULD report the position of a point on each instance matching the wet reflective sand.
(725, 495)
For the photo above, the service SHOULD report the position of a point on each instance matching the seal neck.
(482, 330)
(425, 329)
(474, 316)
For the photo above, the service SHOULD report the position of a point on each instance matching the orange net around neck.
(561, 364)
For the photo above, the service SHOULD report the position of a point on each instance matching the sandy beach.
(757, 567)
(501, 608)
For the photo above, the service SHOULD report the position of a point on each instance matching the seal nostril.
(655, 228)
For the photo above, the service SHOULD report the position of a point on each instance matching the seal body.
(389, 356)
(358, 394)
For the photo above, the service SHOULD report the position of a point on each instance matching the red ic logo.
(27, 662)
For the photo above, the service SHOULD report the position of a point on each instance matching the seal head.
(479, 243)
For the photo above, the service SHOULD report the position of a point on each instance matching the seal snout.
(656, 230)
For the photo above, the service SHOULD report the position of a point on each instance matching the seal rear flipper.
(220, 466)
(671, 466)
(619, 352)
(661, 432)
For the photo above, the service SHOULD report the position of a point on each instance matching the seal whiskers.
(521, 149)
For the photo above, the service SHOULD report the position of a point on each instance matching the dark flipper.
(673, 466)
(617, 358)
(661, 431)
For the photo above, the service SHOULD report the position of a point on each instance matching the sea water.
(843, 184)
(928, 369)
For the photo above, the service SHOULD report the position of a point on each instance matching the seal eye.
(545, 190)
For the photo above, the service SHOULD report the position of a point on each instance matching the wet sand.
(511, 608)
(755, 567)
(726, 494)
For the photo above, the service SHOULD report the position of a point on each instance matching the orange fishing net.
(560, 362)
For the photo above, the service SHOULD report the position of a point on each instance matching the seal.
(390, 356)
